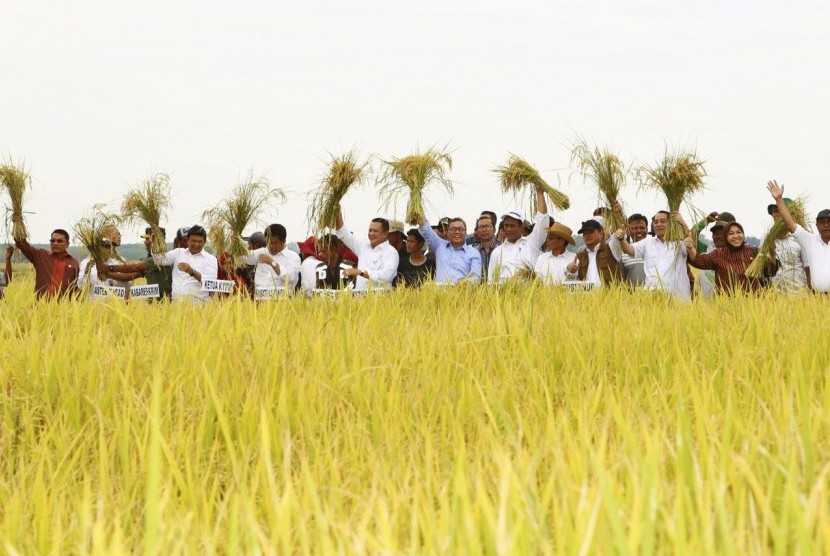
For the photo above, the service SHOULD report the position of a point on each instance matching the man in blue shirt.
(454, 259)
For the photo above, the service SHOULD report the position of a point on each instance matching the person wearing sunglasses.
(56, 271)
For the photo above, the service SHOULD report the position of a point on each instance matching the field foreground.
(513, 421)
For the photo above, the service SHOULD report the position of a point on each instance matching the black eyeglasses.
(56, 241)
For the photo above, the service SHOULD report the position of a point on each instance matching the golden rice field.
(472, 421)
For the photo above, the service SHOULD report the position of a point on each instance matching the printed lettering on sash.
(107, 291)
(144, 292)
(578, 285)
(265, 293)
(220, 286)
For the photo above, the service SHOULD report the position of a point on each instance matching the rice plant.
(521, 180)
(343, 173)
(678, 176)
(148, 202)
(411, 176)
(607, 173)
(16, 181)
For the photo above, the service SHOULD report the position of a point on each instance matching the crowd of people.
(500, 248)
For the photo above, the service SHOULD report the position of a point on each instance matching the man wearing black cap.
(155, 274)
(793, 274)
(599, 262)
(816, 246)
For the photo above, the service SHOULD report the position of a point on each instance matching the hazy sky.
(97, 95)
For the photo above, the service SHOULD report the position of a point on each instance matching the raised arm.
(430, 236)
(541, 202)
(625, 247)
(777, 192)
(8, 269)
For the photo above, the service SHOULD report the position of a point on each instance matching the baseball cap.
(514, 214)
(183, 231)
(257, 238)
(825, 213)
(588, 225)
(396, 226)
(771, 207)
(724, 218)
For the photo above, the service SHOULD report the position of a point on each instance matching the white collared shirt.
(380, 261)
(790, 277)
(664, 264)
(266, 275)
(508, 258)
(553, 269)
(818, 258)
(185, 286)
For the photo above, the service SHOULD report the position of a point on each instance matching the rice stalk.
(148, 202)
(412, 175)
(679, 176)
(343, 172)
(517, 175)
(778, 230)
(235, 214)
(15, 180)
(94, 232)
(607, 172)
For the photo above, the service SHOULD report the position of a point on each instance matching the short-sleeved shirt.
(818, 258)
(413, 275)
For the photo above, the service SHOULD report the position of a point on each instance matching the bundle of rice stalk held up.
(518, 175)
(778, 230)
(412, 175)
(94, 233)
(344, 171)
(678, 176)
(16, 181)
(606, 171)
(148, 202)
(247, 201)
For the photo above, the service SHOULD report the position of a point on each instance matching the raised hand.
(777, 191)
(574, 266)
(712, 216)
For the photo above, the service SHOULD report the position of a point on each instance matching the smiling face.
(512, 229)
(591, 238)
(457, 233)
(735, 236)
(638, 230)
(485, 230)
(660, 223)
(195, 243)
(823, 227)
(555, 244)
(376, 234)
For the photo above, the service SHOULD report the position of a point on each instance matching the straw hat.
(561, 231)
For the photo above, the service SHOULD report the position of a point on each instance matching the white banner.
(576, 285)
(266, 294)
(107, 291)
(220, 286)
(144, 292)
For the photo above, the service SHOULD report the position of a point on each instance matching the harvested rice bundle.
(678, 176)
(148, 202)
(232, 216)
(16, 181)
(778, 230)
(412, 175)
(344, 171)
(518, 175)
(606, 171)
(94, 233)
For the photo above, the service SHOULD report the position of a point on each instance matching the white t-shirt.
(818, 258)
(185, 286)
(664, 264)
(266, 275)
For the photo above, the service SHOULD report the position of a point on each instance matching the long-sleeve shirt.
(730, 268)
(818, 257)
(380, 261)
(266, 276)
(185, 286)
(452, 264)
(664, 264)
(791, 276)
(508, 258)
(55, 275)
(553, 269)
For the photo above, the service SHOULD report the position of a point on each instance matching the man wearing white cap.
(552, 265)
(519, 251)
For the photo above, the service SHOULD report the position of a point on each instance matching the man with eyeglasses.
(56, 271)
(664, 262)
(519, 251)
(455, 261)
(487, 241)
(377, 261)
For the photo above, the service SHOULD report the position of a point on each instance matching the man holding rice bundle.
(377, 261)
(599, 262)
(276, 266)
(89, 274)
(455, 261)
(816, 246)
(519, 251)
(191, 266)
(56, 271)
(161, 276)
(794, 271)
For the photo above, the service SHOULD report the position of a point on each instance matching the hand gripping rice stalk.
(606, 171)
(148, 202)
(517, 176)
(94, 232)
(412, 175)
(232, 216)
(678, 176)
(344, 171)
(778, 230)
(16, 181)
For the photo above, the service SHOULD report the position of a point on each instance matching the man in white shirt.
(276, 266)
(552, 265)
(191, 265)
(793, 270)
(816, 246)
(89, 271)
(377, 261)
(519, 251)
(664, 262)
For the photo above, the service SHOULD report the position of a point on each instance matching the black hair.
(62, 232)
(636, 217)
(489, 213)
(458, 219)
(197, 231)
(276, 230)
(417, 235)
(599, 211)
(384, 223)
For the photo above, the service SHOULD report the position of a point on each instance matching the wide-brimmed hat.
(561, 231)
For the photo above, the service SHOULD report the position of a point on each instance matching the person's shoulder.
(292, 255)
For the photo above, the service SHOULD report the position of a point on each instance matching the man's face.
(485, 230)
(719, 237)
(457, 233)
(275, 245)
(660, 221)
(413, 245)
(115, 238)
(775, 214)
(195, 243)
(376, 234)
(513, 229)
(555, 244)
(396, 240)
(591, 238)
(58, 244)
(823, 227)
(638, 230)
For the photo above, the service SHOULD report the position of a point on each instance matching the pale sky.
(97, 95)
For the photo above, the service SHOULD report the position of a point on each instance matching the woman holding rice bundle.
(730, 262)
